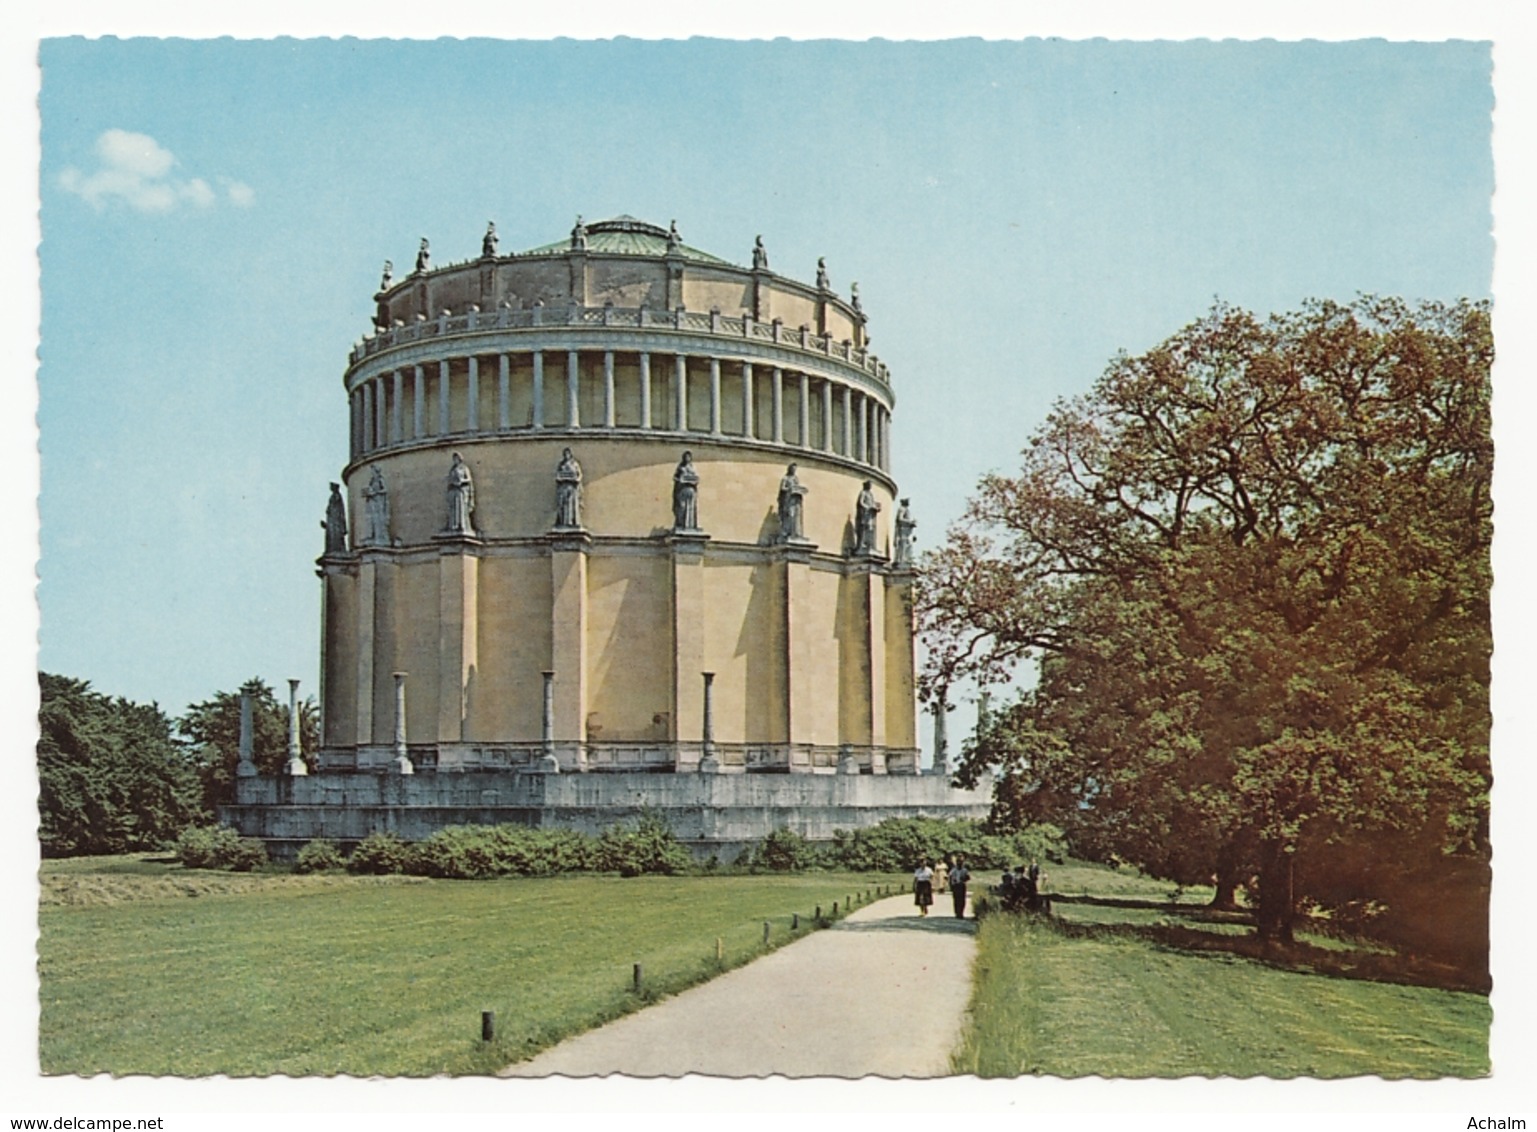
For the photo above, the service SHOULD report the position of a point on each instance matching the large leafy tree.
(1253, 567)
(210, 731)
(111, 780)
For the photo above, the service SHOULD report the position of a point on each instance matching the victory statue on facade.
(865, 510)
(336, 522)
(376, 505)
(902, 552)
(685, 496)
(791, 497)
(568, 492)
(461, 499)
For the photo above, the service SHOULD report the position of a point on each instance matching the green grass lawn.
(150, 969)
(1156, 992)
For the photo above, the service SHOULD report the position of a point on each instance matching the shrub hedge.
(219, 847)
(319, 856)
(900, 844)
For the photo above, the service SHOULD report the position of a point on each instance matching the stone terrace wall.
(710, 813)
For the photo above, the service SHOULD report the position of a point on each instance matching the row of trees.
(116, 776)
(1250, 569)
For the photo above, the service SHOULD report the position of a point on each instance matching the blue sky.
(215, 214)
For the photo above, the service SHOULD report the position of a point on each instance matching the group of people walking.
(954, 876)
(1019, 888)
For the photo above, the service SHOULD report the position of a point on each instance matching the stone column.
(568, 642)
(397, 409)
(709, 761)
(875, 640)
(748, 395)
(503, 392)
(400, 714)
(778, 426)
(445, 386)
(848, 422)
(864, 430)
(419, 403)
(573, 389)
(458, 641)
(805, 421)
(803, 692)
(645, 390)
(548, 763)
(714, 396)
(402, 759)
(680, 386)
(368, 416)
(382, 420)
(827, 416)
(367, 582)
(473, 402)
(538, 359)
(689, 614)
(608, 388)
(246, 766)
(941, 745)
(355, 401)
(296, 765)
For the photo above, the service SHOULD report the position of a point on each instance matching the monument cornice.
(698, 441)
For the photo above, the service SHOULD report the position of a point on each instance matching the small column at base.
(246, 767)
(296, 767)
(709, 763)
(548, 763)
(402, 763)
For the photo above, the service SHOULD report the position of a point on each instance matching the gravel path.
(883, 993)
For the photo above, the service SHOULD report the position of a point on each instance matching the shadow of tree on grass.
(1367, 964)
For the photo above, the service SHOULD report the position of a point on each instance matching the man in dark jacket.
(959, 875)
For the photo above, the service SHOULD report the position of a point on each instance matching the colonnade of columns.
(806, 411)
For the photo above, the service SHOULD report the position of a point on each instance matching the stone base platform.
(712, 814)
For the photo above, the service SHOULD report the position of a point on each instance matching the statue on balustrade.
(674, 241)
(792, 495)
(387, 277)
(822, 283)
(488, 241)
(865, 510)
(685, 495)
(903, 551)
(423, 256)
(568, 492)
(461, 499)
(759, 255)
(854, 298)
(336, 522)
(579, 236)
(376, 504)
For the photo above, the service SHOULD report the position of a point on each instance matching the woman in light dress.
(923, 888)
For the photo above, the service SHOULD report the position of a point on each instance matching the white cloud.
(240, 194)
(135, 170)
(133, 153)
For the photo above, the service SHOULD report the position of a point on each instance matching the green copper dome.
(625, 235)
